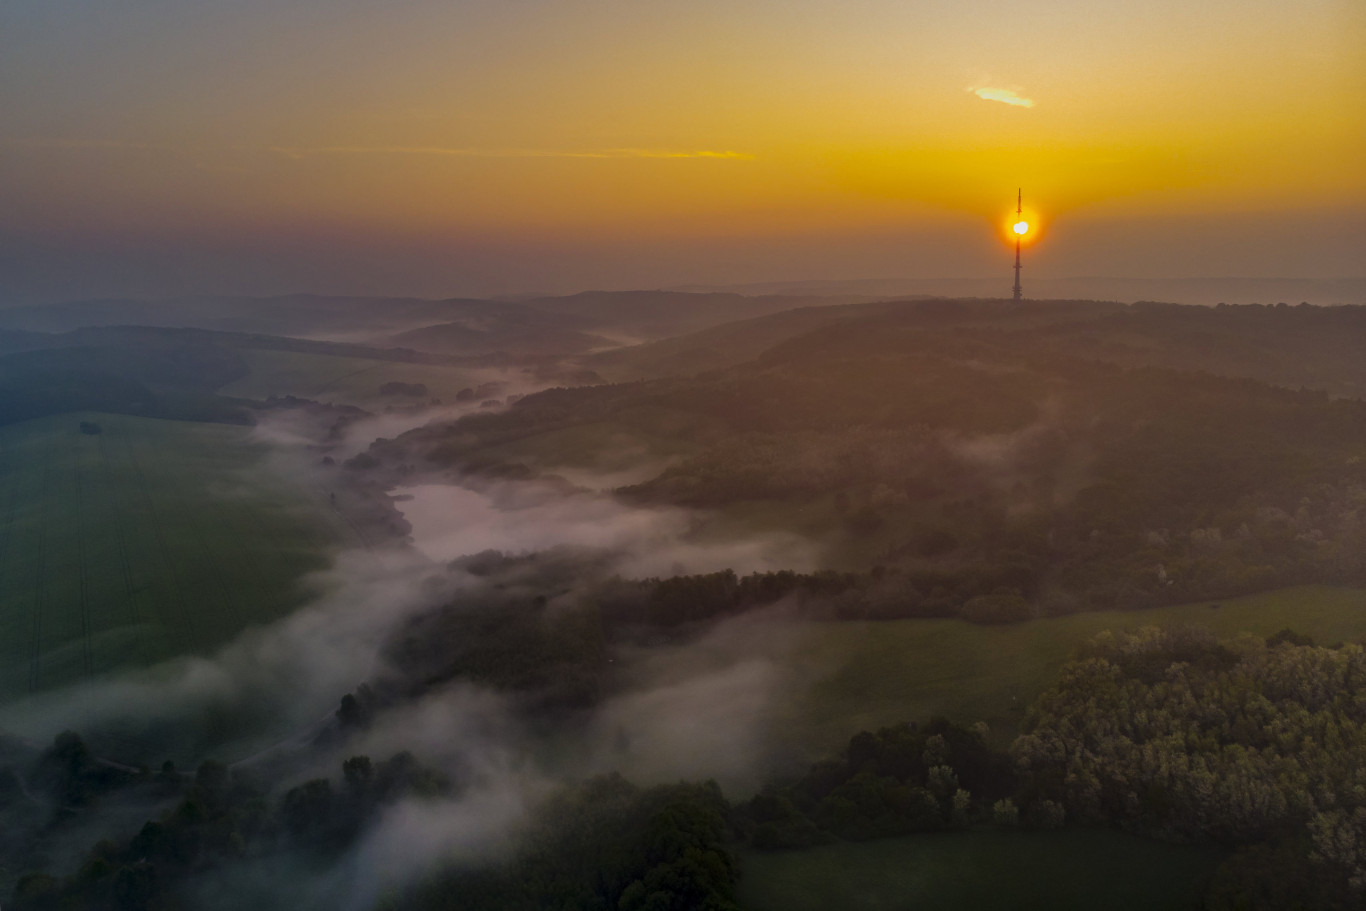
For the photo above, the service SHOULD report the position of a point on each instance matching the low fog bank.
(342, 430)
(467, 733)
(267, 703)
(268, 682)
(704, 708)
(449, 521)
(274, 685)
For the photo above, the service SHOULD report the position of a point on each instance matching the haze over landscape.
(584, 455)
(154, 148)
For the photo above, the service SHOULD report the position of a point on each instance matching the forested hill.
(743, 340)
(564, 325)
(940, 442)
(1301, 346)
(178, 382)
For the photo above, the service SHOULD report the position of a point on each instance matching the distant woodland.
(1026, 466)
(1251, 744)
(971, 460)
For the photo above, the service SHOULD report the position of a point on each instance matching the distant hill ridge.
(1206, 290)
(563, 325)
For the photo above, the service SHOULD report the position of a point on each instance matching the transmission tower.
(1019, 212)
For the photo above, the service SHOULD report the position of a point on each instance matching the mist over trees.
(215, 819)
(977, 461)
(1249, 743)
(955, 461)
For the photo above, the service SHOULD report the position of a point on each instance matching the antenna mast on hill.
(1019, 212)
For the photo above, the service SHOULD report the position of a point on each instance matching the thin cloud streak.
(80, 144)
(457, 152)
(1005, 96)
(300, 152)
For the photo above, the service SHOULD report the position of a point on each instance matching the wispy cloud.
(463, 152)
(1005, 96)
(300, 152)
(79, 144)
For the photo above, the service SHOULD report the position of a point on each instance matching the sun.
(1021, 227)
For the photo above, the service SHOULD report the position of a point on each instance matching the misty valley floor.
(510, 529)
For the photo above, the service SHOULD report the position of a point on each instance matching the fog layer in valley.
(449, 521)
(261, 702)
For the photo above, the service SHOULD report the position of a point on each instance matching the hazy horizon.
(738, 455)
(152, 149)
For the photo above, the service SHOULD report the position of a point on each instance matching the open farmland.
(845, 677)
(149, 539)
(1073, 869)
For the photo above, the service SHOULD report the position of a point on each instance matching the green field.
(840, 678)
(150, 539)
(1002, 871)
(348, 380)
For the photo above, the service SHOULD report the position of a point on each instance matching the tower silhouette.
(1019, 212)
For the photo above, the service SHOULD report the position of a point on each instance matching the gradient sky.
(169, 146)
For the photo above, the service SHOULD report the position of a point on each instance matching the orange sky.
(748, 137)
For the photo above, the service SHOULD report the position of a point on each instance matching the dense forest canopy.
(1252, 744)
(944, 440)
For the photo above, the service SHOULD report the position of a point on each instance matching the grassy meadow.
(150, 539)
(840, 678)
(1067, 870)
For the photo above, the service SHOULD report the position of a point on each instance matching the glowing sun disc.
(1021, 227)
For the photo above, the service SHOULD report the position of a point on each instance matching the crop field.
(858, 676)
(1061, 871)
(344, 380)
(146, 540)
(834, 679)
